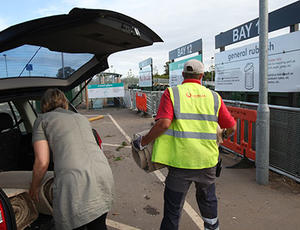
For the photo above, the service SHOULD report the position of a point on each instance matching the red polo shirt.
(166, 109)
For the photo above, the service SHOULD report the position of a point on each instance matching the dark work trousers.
(177, 186)
(97, 224)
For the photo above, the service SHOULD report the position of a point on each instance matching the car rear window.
(35, 61)
(9, 108)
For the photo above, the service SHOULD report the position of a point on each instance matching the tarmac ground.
(138, 204)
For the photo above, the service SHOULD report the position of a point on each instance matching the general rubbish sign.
(106, 90)
(238, 69)
(176, 68)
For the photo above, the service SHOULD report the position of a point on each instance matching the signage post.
(263, 111)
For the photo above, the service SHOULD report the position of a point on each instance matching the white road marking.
(118, 126)
(115, 145)
(120, 226)
(194, 215)
(160, 176)
(187, 207)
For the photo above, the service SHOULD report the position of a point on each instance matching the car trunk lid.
(89, 35)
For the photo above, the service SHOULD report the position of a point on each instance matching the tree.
(166, 66)
(67, 72)
(130, 80)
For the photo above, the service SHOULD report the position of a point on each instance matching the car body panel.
(82, 31)
(8, 211)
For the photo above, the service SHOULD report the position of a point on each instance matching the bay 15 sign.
(238, 69)
(278, 19)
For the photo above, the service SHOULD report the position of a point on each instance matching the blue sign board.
(278, 19)
(145, 63)
(190, 48)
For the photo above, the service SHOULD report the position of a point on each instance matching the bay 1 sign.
(238, 69)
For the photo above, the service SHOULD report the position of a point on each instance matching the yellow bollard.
(96, 118)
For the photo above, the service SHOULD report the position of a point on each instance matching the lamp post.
(263, 111)
(212, 68)
(4, 55)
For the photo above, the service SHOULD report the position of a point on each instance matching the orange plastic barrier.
(141, 101)
(242, 147)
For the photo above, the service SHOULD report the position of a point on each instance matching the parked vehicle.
(59, 51)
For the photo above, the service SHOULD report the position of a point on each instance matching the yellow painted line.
(120, 226)
(92, 115)
(187, 207)
(96, 118)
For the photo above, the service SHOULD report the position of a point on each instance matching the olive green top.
(83, 184)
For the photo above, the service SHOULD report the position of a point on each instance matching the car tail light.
(98, 138)
(3, 225)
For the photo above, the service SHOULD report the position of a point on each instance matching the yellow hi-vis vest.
(190, 141)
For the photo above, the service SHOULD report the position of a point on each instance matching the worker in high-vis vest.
(185, 135)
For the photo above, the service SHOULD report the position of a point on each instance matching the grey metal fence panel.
(153, 100)
(127, 99)
(133, 98)
(149, 102)
(284, 137)
(155, 96)
(285, 140)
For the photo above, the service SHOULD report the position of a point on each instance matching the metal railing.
(284, 137)
(153, 99)
(284, 132)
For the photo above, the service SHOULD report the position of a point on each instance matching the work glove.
(137, 143)
(224, 134)
(227, 134)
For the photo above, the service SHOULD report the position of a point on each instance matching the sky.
(177, 22)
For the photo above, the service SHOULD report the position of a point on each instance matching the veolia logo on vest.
(189, 95)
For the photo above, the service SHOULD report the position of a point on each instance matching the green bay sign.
(106, 90)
